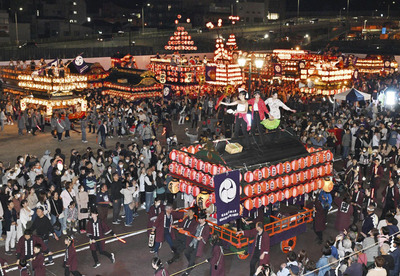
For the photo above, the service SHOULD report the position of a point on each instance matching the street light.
(148, 5)
(242, 62)
(258, 63)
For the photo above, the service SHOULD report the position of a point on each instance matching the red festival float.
(285, 171)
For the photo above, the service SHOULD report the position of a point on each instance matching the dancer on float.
(241, 121)
(258, 110)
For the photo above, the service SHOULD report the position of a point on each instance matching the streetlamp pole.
(142, 19)
(249, 76)
(298, 10)
(16, 28)
(348, 4)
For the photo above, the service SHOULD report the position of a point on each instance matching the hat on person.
(47, 152)
(202, 216)
(371, 208)
(294, 269)
(40, 208)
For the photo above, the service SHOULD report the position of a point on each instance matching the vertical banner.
(211, 73)
(80, 65)
(227, 196)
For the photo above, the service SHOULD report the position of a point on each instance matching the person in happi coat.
(217, 260)
(390, 198)
(157, 265)
(3, 266)
(198, 242)
(261, 245)
(97, 229)
(153, 213)
(319, 220)
(25, 247)
(38, 261)
(376, 174)
(70, 258)
(163, 228)
(344, 214)
(357, 199)
(185, 227)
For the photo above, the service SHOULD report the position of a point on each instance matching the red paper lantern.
(279, 182)
(308, 161)
(199, 164)
(272, 198)
(182, 186)
(179, 169)
(191, 162)
(248, 190)
(308, 174)
(294, 191)
(212, 182)
(198, 147)
(307, 187)
(265, 172)
(257, 202)
(172, 155)
(317, 159)
(206, 180)
(300, 189)
(195, 191)
(273, 170)
(257, 188)
(314, 185)
(214, 169)
(187, 172)
(193, 174)
(287, 193)
(279, 168)
(222, 169)
(191, 150)
(265, 200)
(188, 189)
(302, 163)
(286, 181)
(184, 149)
(186, 160)
(295, 165)
(258, 175)
(264, 186)
(248, 177)
(322, 170)
(329, 156)
(272, 185)
(301, 176)
(320, 183)
(280, 195)
(199, 177)
(172, 167)
(293, 178)
(328, 168)
(248, 204)
(287, 167)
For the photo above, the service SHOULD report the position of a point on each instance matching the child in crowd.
(72, 217)
(38, 261)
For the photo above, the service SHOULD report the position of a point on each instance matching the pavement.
(133, 257)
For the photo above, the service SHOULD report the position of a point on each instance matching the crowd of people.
(66, 192)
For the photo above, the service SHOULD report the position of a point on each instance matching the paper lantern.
(328, 186)
(308, 174)
(295, 165)
(194, 162)
(193, 174)
(314, 185)
(302, 163)
(279, 168)
(294, 191)
(198, 147)
(257, 202)
(206, 180)
(184, 149)
(248, 177)
(199, 165)
(202, 199)
(279, 182)
(286, 181)
(329, 156)
(173, 186)
(212, 198)
(264, 186)
(191, 150)
(272, 170)
(172, 155)
(328, 168)
(182, 186)
(265, 172)
(187, 172)
(248, 190)
(195, 191)
(293, 178)
(300, 189)
(287, 167)
(222, 169)
(172, 167)
(317, 159)
(258, 175)
(257, 188)
(181, 155)
(265, 200)
(248, 204)
(190, 165)
(272, 198)
(179, 169)
(323, 154)
(307, 188)
(308, 161)
(272, 185)
(207, 167)
(214, 169)
(320, 183)
(301, 176)
(212, 182)
(199, 177)
(280, 196)
(322, 170)
(186, 160)
(188, 189)
(287, 193)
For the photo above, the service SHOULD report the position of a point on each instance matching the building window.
(76, 33)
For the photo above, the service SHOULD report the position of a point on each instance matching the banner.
(277, 69)
(80, 65)
(167, 91)
(227, 196)
(211, 73)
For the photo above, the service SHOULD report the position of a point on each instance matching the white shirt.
(274, 105)
(141, 183)
(128, 194)
(66, 198)
(25, 216)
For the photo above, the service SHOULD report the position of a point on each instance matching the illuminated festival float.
(233, 184)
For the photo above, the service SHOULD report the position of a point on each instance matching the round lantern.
(206, 180)
(179, 169)
(182, 186)
(191, 150)
(257, 202)
(265, 172)
(272, 185)
(295, 165)
(172, 167)
(265, 200)
(198, 147)
(222, 169)
(307, 188)
(287, 167)
(212, 198)
(272, 170)
(248, 204)
(193, 174)
(172, 155)
(279, 182)
(202, 199)
(181, 155)
(194, 163)
(195, 191)
(279, 168)
(207, 167)
(272, 198)
(184, 149)
(248, 177)
(320, 183)
(308, 161)
(248, 190)
(294, 191)
(188, 189)
(317, 159)
(302, 163)
(286, 181)
(187, 172)
(264, 187)
(186, 160)
(199, 177)
(258, 175)
(329, 156)
(191, 160)
(280, 195)
(293, 178)
(214, 169)
(308, 174)
(173, 186)
(199, 165)
(328, 168)
(287, 193)
(300, 189)
(328, 185)
(322, 170)
(301, 176)
(257, 188)
(315, 186)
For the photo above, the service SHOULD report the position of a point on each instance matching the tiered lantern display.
(180, 41)
(267, 184)
(80, 104)
(231, 43)
(375, 65)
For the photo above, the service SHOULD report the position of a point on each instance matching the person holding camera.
(261, 246)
